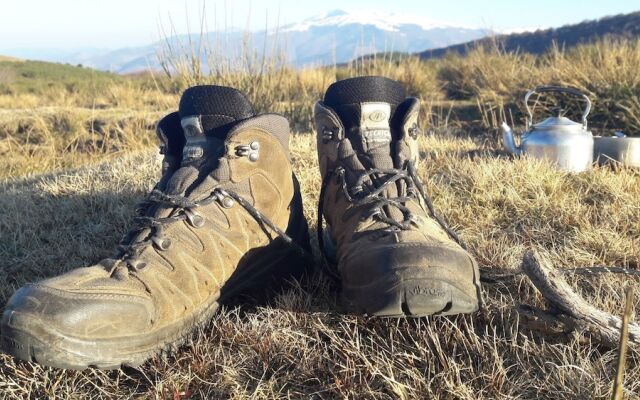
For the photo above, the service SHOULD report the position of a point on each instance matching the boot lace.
(368, 191)
(185, 209)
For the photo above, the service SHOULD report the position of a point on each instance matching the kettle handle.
(557, 89)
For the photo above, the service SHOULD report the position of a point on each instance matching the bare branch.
(561, 297)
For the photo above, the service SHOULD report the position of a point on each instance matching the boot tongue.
(207, 114)
(218, 108)
(366, 106)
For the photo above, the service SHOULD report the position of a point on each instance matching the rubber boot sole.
(26, 337)
(412, 296)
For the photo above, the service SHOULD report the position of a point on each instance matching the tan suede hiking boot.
(391, 253)
(227, 221)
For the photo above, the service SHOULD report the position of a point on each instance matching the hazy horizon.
(119, 24)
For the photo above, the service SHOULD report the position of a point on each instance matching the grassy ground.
(299, 345)
(70, 174)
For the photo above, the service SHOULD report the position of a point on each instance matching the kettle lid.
(558, 123)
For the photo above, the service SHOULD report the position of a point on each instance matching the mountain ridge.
(541, 40)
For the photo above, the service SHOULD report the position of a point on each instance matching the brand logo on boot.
(374, 124)
(194, 134)
(377, 116)
(376, 136)
(428, 291)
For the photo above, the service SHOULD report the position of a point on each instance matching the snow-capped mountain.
(381, 20)
(341, 36)
(337, 36)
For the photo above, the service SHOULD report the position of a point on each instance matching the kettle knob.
(558, 111)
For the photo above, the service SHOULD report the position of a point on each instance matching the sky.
(111, 24)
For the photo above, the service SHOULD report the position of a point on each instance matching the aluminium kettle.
(566, 143)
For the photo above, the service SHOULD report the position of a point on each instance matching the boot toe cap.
(43, 310)
(411, 279)
(418, 259)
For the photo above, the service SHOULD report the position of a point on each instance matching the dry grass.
(7, 58)
(607, 71)
(298, 345)
(54, 218)
(53, 138)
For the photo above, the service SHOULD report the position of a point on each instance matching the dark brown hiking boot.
(391, 253)
(228, 220)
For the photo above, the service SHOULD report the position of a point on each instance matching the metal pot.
(618, 148)
(566, 143)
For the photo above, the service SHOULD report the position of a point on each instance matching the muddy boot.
(392, 255)
(226, 221)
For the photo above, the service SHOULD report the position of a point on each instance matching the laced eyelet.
(137, 264)
(251, 151)
(227, 202)
(414, 131)
(194, 219)
(197, 221)
(161, 243)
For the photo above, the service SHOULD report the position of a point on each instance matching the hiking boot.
(225, 219)
(392, 255)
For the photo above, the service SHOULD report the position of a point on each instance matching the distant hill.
(32, 76)
(538, 42)
(10, 59)
(337, 36)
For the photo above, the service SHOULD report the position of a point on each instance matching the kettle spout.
(509, 141)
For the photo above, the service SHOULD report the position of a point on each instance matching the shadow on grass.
(46, 233)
